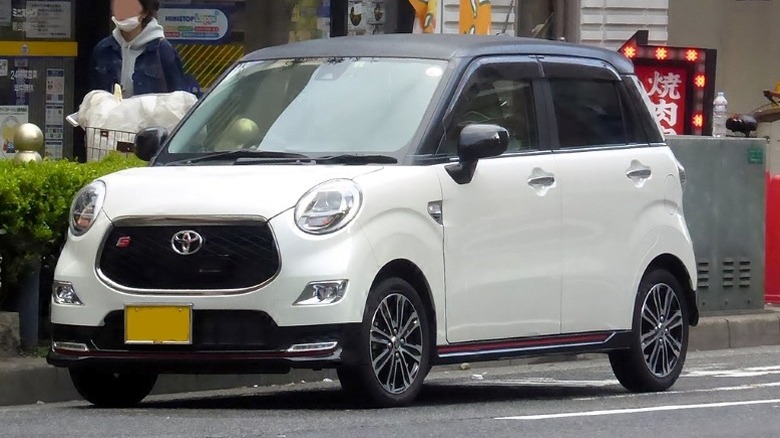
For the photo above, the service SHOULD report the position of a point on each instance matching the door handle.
(639, 173)
(541, 180)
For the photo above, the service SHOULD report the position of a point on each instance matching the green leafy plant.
(35, 200)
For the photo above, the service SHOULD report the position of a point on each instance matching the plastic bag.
(110, 122)
(101, 110)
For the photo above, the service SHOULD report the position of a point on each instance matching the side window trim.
(545, 115)
(645, 117)
(559, 66)
(631, 119)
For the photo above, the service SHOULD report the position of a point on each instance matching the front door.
(502, 248)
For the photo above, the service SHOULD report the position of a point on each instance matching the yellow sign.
(53, 49)
(425, 15)
(146, 324)
(206, 62)
(475, 17)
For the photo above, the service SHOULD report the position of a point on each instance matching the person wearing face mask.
(136, 55)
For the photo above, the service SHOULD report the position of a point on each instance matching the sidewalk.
(31, 380)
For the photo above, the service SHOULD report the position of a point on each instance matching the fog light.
(322, 292)
(63, 293)
(69, 346)
(317, 346)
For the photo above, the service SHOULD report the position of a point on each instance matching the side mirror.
(482, 141)
(149, 141)
(475, 142)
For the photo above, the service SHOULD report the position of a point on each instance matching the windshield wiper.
(242, 153)
(356, 159)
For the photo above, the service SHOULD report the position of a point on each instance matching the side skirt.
(571, 343)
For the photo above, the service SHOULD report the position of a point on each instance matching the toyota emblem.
(187, 242)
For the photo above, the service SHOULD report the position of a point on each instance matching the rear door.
(612, 184)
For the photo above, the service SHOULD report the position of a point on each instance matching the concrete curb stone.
(32, 380)
(710, 334)
(754, 330)
(9, 334)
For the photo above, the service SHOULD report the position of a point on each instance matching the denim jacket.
(157, 70)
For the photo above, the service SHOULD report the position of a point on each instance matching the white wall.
(746, 35)
(609, 23)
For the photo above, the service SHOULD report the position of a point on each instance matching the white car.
(380, 205)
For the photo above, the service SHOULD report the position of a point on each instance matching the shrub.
(35, 200)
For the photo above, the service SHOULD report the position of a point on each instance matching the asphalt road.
(726, 393)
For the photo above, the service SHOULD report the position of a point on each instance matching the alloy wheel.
(662, 330)
(396, 343)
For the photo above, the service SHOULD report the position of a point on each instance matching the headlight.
(328, 207)
(86, 206)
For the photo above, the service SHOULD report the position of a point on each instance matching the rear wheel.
(112, 390)
(660, 336)
(393, 347)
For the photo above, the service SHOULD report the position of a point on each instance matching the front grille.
(230, 257)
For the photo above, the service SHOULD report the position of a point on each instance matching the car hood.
(246, 190)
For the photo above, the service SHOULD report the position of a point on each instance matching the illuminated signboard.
(680, 82)
(199, 25)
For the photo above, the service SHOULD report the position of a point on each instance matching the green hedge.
(35, 200)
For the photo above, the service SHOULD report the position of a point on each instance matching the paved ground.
(724, 393)
(30, 380)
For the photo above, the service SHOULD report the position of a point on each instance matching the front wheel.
(659, 338)
(393, 347)
(112, 390)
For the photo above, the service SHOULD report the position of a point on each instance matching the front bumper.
(223, 342)
(345, 255)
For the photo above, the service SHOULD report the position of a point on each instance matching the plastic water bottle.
(719, 115)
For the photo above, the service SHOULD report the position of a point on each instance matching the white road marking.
(739, 372)
(690, 391)
(640, 410)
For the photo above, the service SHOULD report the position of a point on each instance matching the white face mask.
(127, 25)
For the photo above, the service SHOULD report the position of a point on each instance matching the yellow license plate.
(147, 324)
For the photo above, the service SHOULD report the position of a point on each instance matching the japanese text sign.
(680, 82)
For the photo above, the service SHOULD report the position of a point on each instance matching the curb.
(736, 331)
(31, 380)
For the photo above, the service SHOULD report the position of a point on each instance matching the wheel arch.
(412, 274)
(677, 268)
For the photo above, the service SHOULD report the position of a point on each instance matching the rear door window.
(588, 113)
(590, 105)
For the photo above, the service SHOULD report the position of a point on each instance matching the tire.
(394, 334)
(661, 318)
(112, 390)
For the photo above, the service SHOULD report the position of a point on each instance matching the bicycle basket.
(100, 142)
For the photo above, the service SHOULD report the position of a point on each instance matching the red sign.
(680, 82)
(666, 87)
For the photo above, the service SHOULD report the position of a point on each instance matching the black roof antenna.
(506, 21)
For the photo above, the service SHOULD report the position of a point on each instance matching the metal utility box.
(724, 204)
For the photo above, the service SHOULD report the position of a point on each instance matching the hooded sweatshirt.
(133, 48)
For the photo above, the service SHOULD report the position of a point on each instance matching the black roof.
(436, 46)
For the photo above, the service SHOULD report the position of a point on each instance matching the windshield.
(313, 107)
